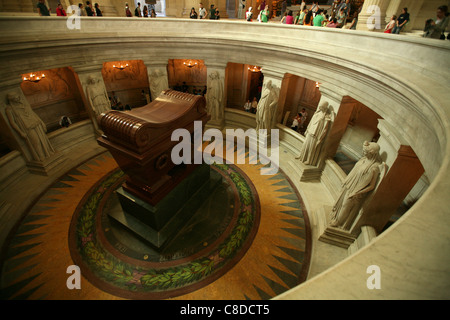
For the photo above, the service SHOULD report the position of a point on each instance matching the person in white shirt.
(247, 106)
(296, 121)
(201, 12)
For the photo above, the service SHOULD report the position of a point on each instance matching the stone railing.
(403, 79)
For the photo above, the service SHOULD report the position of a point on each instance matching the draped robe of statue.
(158, 83)
(97, 96)
(214, 97)
(29, 126)
(241, 9)
(266, 109)
(358, 184)
(315, 135)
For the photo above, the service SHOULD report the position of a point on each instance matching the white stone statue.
(267, 107)
(358, 184)
(315, 135)
(158, 83)
(97, 96)
(214, 97)
(29, 126)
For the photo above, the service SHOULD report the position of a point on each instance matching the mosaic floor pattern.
(262, 247)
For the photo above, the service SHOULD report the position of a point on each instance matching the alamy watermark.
(374, 280)
(374, 21)
(73, 21)
(214, 152)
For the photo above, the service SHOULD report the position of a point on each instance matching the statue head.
(323, 106)
(13, 97)
(91, 80)
(371, 149)
(214, 75)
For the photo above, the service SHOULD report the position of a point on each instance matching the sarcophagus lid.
(143, 128)
(140, 142)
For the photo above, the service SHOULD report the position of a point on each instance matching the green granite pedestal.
(158, 224)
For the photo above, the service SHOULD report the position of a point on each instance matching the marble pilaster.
(373, 15)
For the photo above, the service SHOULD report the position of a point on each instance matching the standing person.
(127, 10)
(193, 14)
(81, 12)
(217, 14)
(346, 6)
(137, 11)
(98, 12)
(42, 8)
(212, 13)
(145, 13)
(249, 14)
(201, 11)
(401, 21)
(152, 13)
(302, 6)
(314, 8)
(60, 12)
(89, 10)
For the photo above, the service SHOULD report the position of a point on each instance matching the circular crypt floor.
(250, 239)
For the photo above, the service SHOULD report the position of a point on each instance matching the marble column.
(373, 15)
(216, 93)
(157, 76)
(83, 76)
(26, 132)
(403, 172)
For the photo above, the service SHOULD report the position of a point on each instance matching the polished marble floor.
(273, 259)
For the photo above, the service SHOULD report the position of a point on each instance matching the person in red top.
(60, 11)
